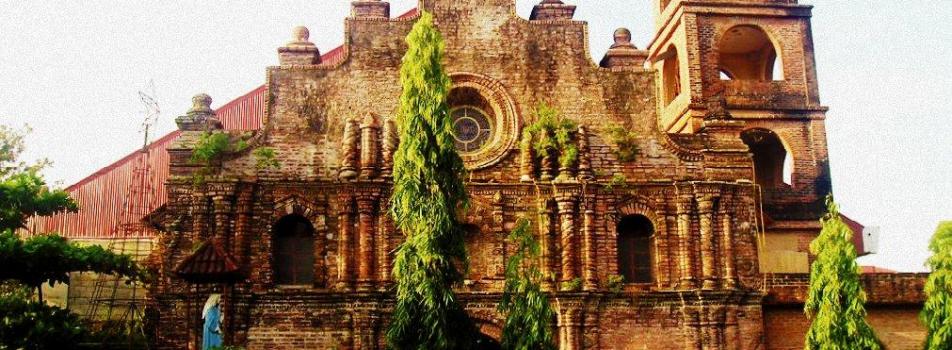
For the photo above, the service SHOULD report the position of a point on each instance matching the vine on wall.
(552, 135)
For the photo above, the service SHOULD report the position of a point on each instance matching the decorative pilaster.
(570, 323)
(705, 207)
(242, 225)
(674, 245)
(589, 263)
(692, 329)
(345, 242)
(685, 253)
(499, 249)
(726, 214)
(731, 329)
(349, 152)
(712, 327)
(385, 227)
(390, 143)
(368, 147)
(547, 162)
(527, 159)
(567, 236)
(365, 241)
(549, 261)
(365, 323)
(584, 157)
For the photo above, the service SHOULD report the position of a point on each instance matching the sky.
(72, 70)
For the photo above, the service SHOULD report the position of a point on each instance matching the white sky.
(71, 69)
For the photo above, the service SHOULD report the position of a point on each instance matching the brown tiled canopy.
(209, 264)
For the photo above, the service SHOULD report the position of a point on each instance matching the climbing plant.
(552, 135)
(529, 316)
(937, 311)
(428, 190)
(836, 300)
(265, 158)
(212, 147)
(626, 143)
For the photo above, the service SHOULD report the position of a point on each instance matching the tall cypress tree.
(937, 312)
(836, 300)
(428, 191)
(528, 313)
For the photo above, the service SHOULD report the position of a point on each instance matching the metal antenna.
(113, 305)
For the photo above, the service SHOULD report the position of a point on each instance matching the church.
(682, 223)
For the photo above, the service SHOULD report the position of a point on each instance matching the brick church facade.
(699, 242)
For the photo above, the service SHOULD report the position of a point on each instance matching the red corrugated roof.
(101, 195)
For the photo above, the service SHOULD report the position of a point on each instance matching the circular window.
(473, 128)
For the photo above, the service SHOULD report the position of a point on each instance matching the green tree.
(42, 258)
(836, 300)
(937, 311)
(528, 313)
(428, 191)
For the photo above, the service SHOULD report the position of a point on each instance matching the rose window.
(473, 129)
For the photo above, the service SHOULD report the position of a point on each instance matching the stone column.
(570, 322)
(385, 229)
(390, 143)
(692, 329)
(674, 246)
(365, 241)
(705, 206)
(345, 241)
(548, 246)
(242, 226)
(499, 249)
(726, 214)
(527, 159)
(589, 279)
(732, 330)
(567, 236)
(685, 253)
(548, 162)
(368, 147)
(349, 150)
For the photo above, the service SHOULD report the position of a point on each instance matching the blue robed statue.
(211, 331)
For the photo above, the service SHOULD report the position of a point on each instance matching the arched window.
(634, 248)
(293, 251)
(746, 53)
(773, 165)
(671, 75)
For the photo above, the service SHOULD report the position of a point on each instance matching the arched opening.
(671, 75)
(634, 248)
(479, 249)
(773, 165)
(746, 53)
(293, 237)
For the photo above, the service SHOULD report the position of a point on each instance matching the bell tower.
(758, 56)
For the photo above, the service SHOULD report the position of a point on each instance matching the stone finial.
(200, 117)
(623, 54)
(622, 38)
(552, 10)
(370, 9)
(300, 50)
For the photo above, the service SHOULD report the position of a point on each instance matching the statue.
(211, 331)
